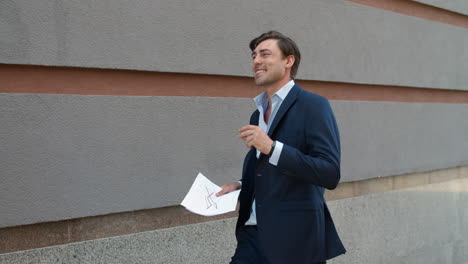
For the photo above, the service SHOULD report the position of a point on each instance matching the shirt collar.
(281, 93)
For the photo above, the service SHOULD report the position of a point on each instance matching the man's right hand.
(229, 187)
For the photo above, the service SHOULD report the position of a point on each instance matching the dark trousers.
(248, 249)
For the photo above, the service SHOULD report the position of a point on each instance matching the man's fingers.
(249, 141)
(246, 133)
(222, 192)
(227, 188)
(246, 137)
(250, 134)
(242, 129)
(247, 127)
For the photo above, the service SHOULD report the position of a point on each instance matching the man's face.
(268, 64)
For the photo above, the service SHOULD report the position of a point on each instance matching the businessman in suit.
(294, 154)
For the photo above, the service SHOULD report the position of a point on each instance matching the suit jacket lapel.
(254, 118)
(287, 103)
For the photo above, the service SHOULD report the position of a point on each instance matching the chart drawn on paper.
(201, 198)
(209, 199)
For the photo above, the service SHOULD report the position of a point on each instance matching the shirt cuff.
(276, 153)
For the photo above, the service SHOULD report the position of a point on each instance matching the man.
(294, 154)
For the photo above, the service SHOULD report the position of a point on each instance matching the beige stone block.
(463, 172)
(375, 185)
(410, 180)
(343, 190)
(443, 175)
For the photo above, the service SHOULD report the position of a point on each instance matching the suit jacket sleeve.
(319, 161)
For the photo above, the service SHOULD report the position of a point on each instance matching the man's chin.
(259, 82)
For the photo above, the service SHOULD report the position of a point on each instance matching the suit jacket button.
(259, 175)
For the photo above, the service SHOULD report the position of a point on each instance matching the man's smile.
(259, 72)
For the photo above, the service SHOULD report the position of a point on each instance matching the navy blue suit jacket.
(293, 221)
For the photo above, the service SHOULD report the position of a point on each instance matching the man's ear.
(290, 61)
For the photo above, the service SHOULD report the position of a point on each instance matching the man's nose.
(256, 61)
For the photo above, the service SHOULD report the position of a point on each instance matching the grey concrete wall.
(341, 41)
(459, 6)
(389, 138)
(68, 156)
(426, 225)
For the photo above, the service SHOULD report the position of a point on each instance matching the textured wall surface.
(427, 225)
(388, 138)
(459, 6)
(341, 41)
(68, 156)
(71, 156)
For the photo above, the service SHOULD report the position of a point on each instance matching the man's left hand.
(254, 136)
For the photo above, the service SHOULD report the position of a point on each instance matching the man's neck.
(273, 88)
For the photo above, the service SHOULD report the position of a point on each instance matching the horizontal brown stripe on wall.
(420, 10)
(86, 81)
(39, 235)
(25, 237)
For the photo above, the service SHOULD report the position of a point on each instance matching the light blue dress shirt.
(262, 103)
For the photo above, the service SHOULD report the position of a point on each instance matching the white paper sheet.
(201, 198)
